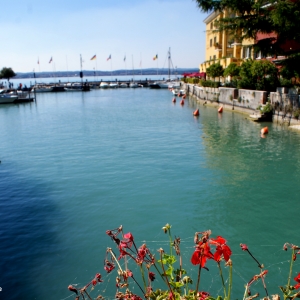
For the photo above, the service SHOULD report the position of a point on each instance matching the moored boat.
(123, 85)
(103, 85)
(7, 96)
(113, 85)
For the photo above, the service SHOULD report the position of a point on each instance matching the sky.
(35, 30)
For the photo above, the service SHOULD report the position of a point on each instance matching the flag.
(124, 57)
(94, 57)
(155, 57)
(109, 57)
(50, 61)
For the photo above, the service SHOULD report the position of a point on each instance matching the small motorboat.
(123, 85)
(113, 85)
(104, 85)
(178, 93)
(133, 85)
(7, 96)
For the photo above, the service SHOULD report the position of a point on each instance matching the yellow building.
(221, 47)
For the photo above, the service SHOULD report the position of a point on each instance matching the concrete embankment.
(245, 101)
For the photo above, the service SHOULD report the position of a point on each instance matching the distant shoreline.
(143, 72)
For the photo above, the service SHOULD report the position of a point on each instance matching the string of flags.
(94, 57)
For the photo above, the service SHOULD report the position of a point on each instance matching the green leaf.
(168, 259)
(169, 272)
(176, 284)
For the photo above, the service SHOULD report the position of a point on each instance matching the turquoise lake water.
(74, 165)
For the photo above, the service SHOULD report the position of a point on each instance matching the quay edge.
(241, 101)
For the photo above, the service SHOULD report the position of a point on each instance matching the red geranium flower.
(203, 295)
(297, 279)
(201, 254)
(221, 249)
(151, 276)
(142, 251)
(72, 289)
(109, 266)
(244, 247)
(98, 276)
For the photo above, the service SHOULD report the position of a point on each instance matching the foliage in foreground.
(169, 270)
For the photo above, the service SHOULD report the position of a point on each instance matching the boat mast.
(169, 62)
(81, 74)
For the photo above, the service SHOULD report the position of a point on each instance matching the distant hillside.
(144, 72)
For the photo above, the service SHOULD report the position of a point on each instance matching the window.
(214, 57)
(215, 40)
(211, 25)
(210, 42)
(246, 52)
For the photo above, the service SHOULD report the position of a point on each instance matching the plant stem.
(180, 266)
(290, 273)
(170, 237)
(230, 282)
(198, 280)
(112, 254)
(246, 291)
(143, 276)
(263, 281)
(138, 285)
(259, 265)
(163, 268)
(221, 274)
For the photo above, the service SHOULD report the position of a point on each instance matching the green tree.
(215, 70)
(249, 17)
(7, 73)
(265, 75)
(247, 80)
(232, 70)
(291, 67)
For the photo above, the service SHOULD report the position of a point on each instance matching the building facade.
(222, 48)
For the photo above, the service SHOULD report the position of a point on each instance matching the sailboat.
(78, 87)
(133, 84)
(165, 84)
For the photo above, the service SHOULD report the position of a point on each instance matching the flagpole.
(96, 68)
(125, 65)
(67, 67)
(141, 63)
(111, 68)
(157, 65)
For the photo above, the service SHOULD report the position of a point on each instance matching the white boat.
(133, 85)
(123, 85)
(178, 92)
(41, 89)
(174, 84)
(22, 94)
(7, 96)
(73, 87)
(104, 85)
(113, 85)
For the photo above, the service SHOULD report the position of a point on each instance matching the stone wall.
(241, 98)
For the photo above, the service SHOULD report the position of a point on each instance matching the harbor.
(75, 160)
(29, 94)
